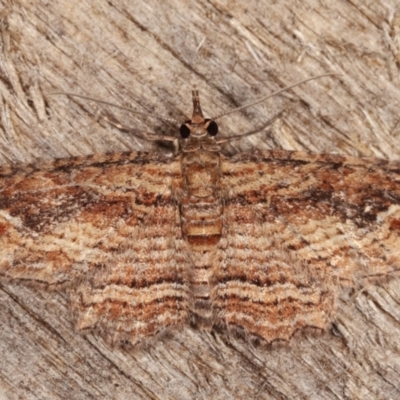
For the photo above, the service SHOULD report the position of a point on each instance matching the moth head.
(198, 126)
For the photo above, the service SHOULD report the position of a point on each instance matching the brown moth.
(261, 243)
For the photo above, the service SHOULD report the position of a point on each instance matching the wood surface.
(149, 55)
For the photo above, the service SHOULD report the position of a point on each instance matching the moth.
(260, 244)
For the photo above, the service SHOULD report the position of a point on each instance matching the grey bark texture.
(149, 55)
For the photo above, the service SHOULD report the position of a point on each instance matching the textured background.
(149, 56)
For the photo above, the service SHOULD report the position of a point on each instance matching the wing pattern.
(105, 227)
(298, 228)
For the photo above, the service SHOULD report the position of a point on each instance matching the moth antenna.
(159, 117)
(272, 94)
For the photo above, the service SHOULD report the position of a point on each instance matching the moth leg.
(150, 136)
(267, 126)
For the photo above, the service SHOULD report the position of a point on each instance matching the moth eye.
(212, 128)
(185, 131)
